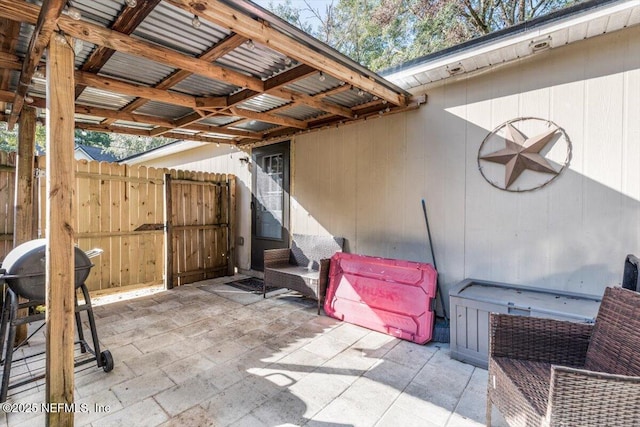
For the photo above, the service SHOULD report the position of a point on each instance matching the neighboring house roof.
(579, 22)
(161, 151)
(96, 153)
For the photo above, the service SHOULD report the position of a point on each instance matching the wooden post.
(23, 230)
(60, 260)
(168, 234)
(231, 221)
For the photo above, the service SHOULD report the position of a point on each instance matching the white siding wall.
(365, 181)
(221, 159)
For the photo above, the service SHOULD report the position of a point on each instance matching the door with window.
(270, 201)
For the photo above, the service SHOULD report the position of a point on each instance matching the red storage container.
(385, 295)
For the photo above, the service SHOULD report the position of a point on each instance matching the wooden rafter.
(225, 16)
(126, 23)
(144, 132)
(243, 27)
(9, 31)
(220, 49)
(25, 12)
(6, 96)
(130, 89)
(312, 101)
(267, 118)
(9, 61)
(48, 16)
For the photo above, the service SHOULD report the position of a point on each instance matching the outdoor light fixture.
(287, 61)
(195, 22)
(250, 45)
(360, 92)
(131, 3)
(38, 74)
(540, 44)
(321, 77)
(455, 69)
(28, 99)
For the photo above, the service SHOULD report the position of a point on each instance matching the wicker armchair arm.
(542, 340)
(588, 398)
(276, 258)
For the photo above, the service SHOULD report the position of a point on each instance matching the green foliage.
(383, 33)
(93, 139)
(120, 145)
(9, 139)
(126, 145)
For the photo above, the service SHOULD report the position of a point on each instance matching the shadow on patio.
(209, 354)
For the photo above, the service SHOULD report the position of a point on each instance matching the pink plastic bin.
(385, 295)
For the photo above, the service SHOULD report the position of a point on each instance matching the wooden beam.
(220, 13)
(289, 76)
(333, 91)
(211, 102)
(223, 130)
(220, 49)
(120, 115)
(22, 11)
(159, 121)
(184, 121)
(130, 89)
(47, 19)
(126, 23)
(303, 98)
(268, 118)
(60, 271)
(24, 208)
(9, 61)
(142, 132)
(9, 35)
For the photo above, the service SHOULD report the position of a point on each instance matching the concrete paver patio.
(209, 354)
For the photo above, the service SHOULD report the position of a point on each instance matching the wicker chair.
(304, 267)
(546, 372)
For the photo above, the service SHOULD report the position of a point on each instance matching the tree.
(126, 145)
(9, 139)
(383, 33)
(93, 139)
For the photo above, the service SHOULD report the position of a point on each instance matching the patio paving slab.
(209, 354)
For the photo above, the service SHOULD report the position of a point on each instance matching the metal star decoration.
(522, 153)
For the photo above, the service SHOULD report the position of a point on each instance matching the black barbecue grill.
(23, 270)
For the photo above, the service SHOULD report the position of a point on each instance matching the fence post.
(231, 223)
(23, 196)
(168, 234)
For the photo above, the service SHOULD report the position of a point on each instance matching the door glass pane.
(270, 196)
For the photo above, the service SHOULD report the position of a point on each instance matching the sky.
(320, 5)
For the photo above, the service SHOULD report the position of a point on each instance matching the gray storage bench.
(304, 267)
(472, 300)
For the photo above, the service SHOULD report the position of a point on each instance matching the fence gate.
(199, 224)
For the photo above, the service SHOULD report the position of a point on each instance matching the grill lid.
(25, 269)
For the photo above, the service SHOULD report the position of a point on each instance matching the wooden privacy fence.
(7, 201)
(130, 212)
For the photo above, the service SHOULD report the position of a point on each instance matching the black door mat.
(251, 285)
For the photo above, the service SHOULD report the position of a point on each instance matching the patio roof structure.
(212, 71)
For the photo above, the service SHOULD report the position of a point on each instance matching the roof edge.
(517, 29)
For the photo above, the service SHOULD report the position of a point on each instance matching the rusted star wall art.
(524, 154)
